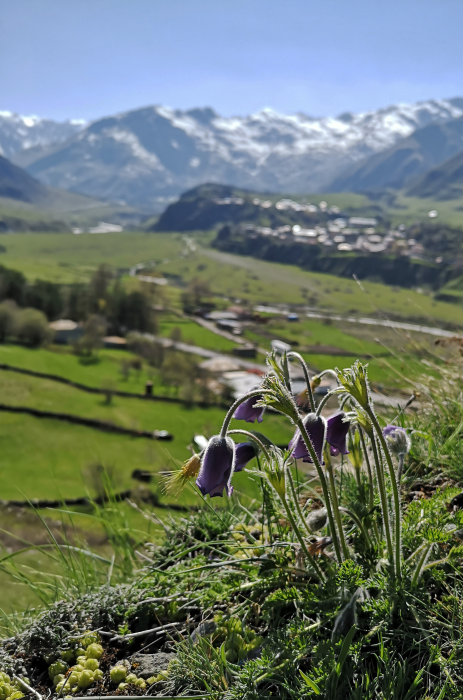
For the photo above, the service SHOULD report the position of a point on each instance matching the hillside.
(146, 156)
(443, 182)
(16, 184)
(207, 206)
(409, 158)
(28, 205)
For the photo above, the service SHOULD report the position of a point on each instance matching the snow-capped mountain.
(18, 132)
(147, 155)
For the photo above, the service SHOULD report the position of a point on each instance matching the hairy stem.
(252, 437)
(383, 498)
(337, 514)
(358, 522)
(395, 490)
(420, 565)
(323, 401)
(233, 407)
(301, 539)
(370, 474)
(324, 485)
(305, 369)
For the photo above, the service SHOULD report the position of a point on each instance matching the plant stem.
(328, 371)
(334, 495)
(301, 539)
(370, 474)
(234, 406)
(296, 502)
(383, 498)
(305, 369)
(323, 401)
(395, 490)
(252, 437)
(419, 566)
(358, 522)
(324, 485)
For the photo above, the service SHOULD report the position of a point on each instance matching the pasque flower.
(217, 467)
(248, 410)
(316, 430)
(245, 451)
(337, 429)
(397, 439)
(175, 481)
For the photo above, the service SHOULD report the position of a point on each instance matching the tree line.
(103, 306)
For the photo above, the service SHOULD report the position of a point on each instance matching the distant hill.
(209, 205)
(405, 161)
(28, 205)
(146, 157)
(15, 183)
(442, 182)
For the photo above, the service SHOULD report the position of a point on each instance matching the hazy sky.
(87, 58)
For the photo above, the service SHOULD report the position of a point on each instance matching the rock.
(203, 629)
(147, 665)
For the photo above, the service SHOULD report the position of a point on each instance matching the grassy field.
(68, 258)
(102, 370)
(261, 282)
(51, 461)
(194, 334)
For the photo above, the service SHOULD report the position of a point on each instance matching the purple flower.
(245, 451)
(336, 433)
(397, 439)
(248, 411)
(316, 429)
(217, 467)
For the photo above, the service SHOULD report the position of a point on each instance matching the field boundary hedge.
(113, 392)
(150, 498)
(88, 422)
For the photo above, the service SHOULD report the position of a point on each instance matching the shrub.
(32, 328)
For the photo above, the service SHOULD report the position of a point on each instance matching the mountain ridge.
(397, 166)
(147, 157)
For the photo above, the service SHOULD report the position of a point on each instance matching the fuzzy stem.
(400, 469)
(324, 485)
(395, 490)
(370, 475)
(301, 539)
(233, 407)
(252, 437)
(328, 371)
(337, 514)
(383, 498)
(267, 504)
(323, 401)
(358, 522)
(305, 369)
(296, 502)
(420, 565)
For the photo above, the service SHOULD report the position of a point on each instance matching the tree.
(32, 328)
(45, 296)
(95, 329)
(176, 334)
(99, 289)
(8, 318)
(196, 294)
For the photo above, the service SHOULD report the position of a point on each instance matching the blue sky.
(87, 58)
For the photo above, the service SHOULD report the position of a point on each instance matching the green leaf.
(345, 649)
(308, 681)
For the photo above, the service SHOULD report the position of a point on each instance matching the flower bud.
(397, 440)
(316, 519)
